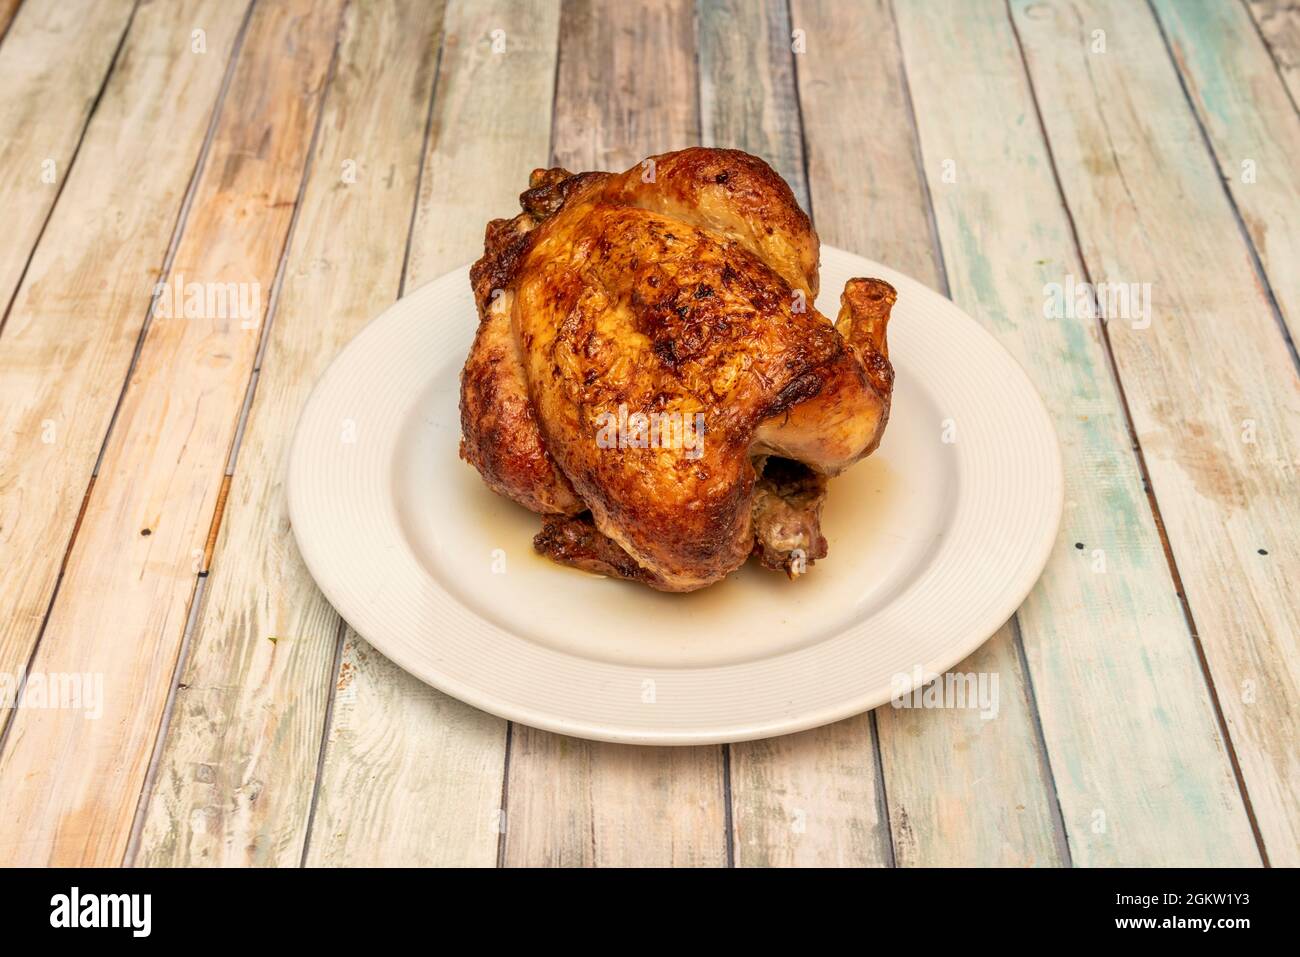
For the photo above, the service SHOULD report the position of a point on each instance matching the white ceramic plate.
(934, 542)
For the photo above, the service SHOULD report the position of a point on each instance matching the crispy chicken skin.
(682, 287)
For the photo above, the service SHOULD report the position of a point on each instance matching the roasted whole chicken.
(650, 374)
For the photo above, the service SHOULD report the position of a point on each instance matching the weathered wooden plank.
(1211, 386)
(860, 153)
(748, 98)
(626, 89)
(938, 767)
(60, 376)
(582, 803)
(1252, 126)
(426, 769)
(164, 461)
(51, 69)
(627, 85)
(1117, 681)
(811, 799)
(1279, 25)
(237, 774)
(411, 777)
(479, 159)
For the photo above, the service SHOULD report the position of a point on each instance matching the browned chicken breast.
(651, 375)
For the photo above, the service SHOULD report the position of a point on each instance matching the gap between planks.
(1272, 49)
(1060, 834)
(6, 726)
(932, 219)
(200, 162)
(196, 596)
(1256, 262)
(1152, 503)
(72, 158)
(277, 283)
(341, 638)
(798, 109)
(882, 794)
(1059, 829)
(181, 219)
(146, 788)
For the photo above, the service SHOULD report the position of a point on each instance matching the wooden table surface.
(322, 157)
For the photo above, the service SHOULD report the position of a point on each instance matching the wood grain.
(236, 778)
(860, 141)
(626, 89)
(812, 799)
(748, 97)
(163, 465)
(575, 803)
(931, 763)
(478, 160)
(1279, 25)
(412, 776)
(1247, 114)
(1104, 624)
(102, 250)
(1213, 392)
(627, 85)
(51, 69)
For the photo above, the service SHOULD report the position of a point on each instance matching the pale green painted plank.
(1210, 384)
(961, 790)
(1253, 127)
(1141, 773)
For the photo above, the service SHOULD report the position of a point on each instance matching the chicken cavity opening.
(787, 511)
